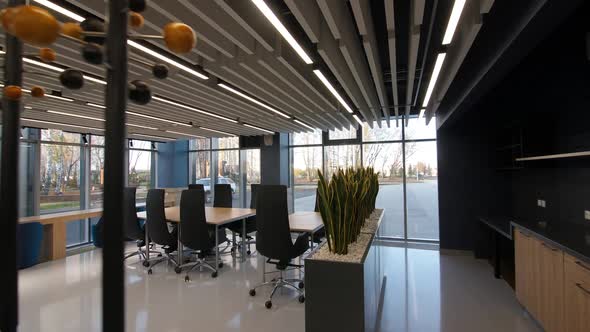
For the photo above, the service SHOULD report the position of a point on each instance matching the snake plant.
(345, 202)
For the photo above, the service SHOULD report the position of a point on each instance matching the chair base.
(200, 263)
(280, 282)
(166, 258)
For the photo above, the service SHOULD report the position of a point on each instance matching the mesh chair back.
(156, 218)
(273, 239)
(195, 232)
(223, 196)
(196, 186)
(130, 222)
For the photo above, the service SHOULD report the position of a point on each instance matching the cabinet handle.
(548, 247)
(582, 265)
(582, 288)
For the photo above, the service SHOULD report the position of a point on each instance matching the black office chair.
(273, 239)
(236, 227)
(222, 197)
(196, 186)
(196, 234)
(131, 227)
(158, 228)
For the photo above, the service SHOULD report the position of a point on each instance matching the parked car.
(206, 182)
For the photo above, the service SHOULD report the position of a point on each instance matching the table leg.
(244, 240)
(179, 248)
(216, 247)
(147, 242)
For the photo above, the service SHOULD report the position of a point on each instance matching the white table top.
(214, 215)
(309, 222)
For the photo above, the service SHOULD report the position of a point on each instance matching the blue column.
(172, 169)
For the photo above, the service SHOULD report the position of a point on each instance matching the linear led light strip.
(453, 21)
(131, 43)
(356, 117)
(97, 119)
(435, 72)
(263, 7)
(258, 128)
(58, 69)
(245, 96)
(156, 137)
(217, 131)
(194, 109)
(143, 116)
(328, 85)
(52, 96)
(184, 134)
(303, 124)
(61, 124)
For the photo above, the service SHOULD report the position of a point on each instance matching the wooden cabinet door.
(522, 264)
(577, 295)
(551, 287)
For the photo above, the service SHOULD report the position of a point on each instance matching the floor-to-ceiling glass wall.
(306, 159)
(251, 172)
(141, 164)
(228, 166)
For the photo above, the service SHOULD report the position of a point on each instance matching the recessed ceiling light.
(435, 72)
(245, 96)
(190, 108)
(75, 115)
(258, 128)
(328, 85)
(217, 131)
(453, 21)
(304, 124)
(60, 124)
(185, 134)
(356, 117)
(274, 20)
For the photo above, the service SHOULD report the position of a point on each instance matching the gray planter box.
(344, 296)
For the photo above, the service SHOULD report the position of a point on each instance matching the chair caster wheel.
(220, 265)
(268, 304)
(160, 255)
(150, 271)
(214, 274)
(301, 285)
(177, 270)
(301, 298)
(145, 263)
(252, 292)
(233, 249)
(248, 252)
(187, 279)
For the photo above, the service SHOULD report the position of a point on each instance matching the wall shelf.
(556, 156)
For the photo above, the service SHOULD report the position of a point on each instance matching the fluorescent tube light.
(356, 117)
(435, 72)
(245, 96)
(61, 124)
(328, 85)
(59, 97)
(304, 124)
(95, 105)
(422, 111)
(274, 20)
(217, 131)
(76, 115)
(453, 21)
(139, 126)
(156, 137)
(60, 10)
(258, 128)
(166, 59)
(185, 134)
(59, 70)
(28, 108)
(190, 108)
(158, 119)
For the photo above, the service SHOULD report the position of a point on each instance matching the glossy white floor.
(425, 291)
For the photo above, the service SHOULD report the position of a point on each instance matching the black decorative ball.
(93, 25)
(137, 6)
(92, 53)
(139, 92)
(160, 71)
(72, 79)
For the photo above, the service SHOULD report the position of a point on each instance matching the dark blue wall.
(172, 170)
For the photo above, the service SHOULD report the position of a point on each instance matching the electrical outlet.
(541, 203)
(544, 203)
(587, 215)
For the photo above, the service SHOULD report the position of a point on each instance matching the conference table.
(215, 216)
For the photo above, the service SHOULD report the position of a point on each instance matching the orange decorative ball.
(36, 26)
(7, 16)
(13, 92)
(136, 20)
(47, 54)
(37, 92)
(72, 29)
(179, 37)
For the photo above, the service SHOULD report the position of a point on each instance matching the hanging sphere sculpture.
(47, 54)
(7, 15)
(36, 26)
(72, 29)
(160, 71)
(136, 20)
(13, 92)
(92, 53)
(139, 92)
(37, 92)
(72, 79)
(93, 25)
(179, 37)
(137, 5)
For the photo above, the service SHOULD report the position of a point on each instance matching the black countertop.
(573, 239)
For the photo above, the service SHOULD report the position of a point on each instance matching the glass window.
(97, 140)
(384, 133)
(341, 156)
(307, 138)
(417, 129)
(229, 142)
(346, 133)
(422, 190)
(138, 144)
(306, 163)
(228, 169)
(387, 159)
(140, 167)
(252, 170)
(200, 171)
(60, 178)
(200, 144)
(55, 135)
(96, 176)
